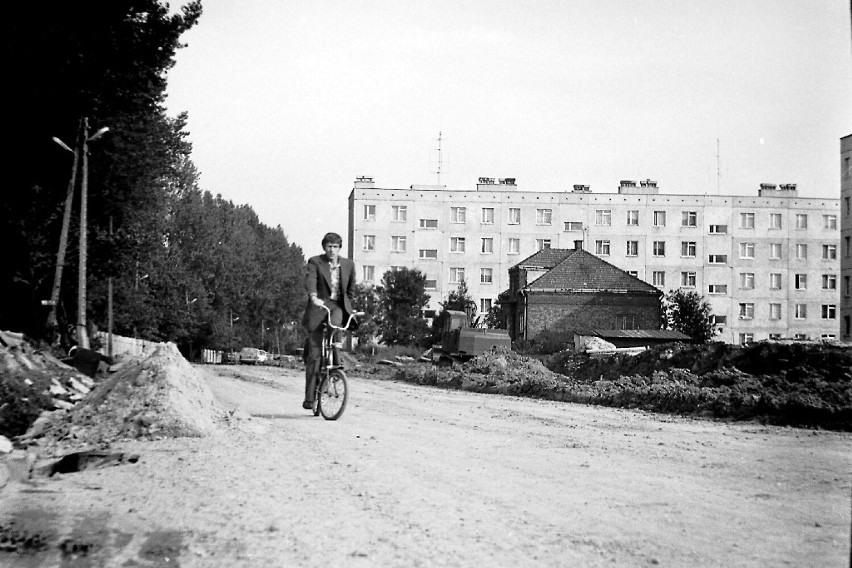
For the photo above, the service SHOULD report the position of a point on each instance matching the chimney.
(580, 188)
(364, 182)
(646, 187)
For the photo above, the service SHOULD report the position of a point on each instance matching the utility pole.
(82, 334)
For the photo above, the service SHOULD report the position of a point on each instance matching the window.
(800, 336)
(369, 273)
(801, 251)
(484, 305)
(746, 311)
(801, 221)
(746, 220)
(746, 338)
(487, 215)
(747, 280)
(717, 289)
(829, 221)
(369, 242)
(847, 242)
(430, 284)
(829, 282)
(428, 223)
(829, 252)
(718, 259)
(775, 281)
(801, 311)
(633, 273)
(487, 245)
(400, 212)
(689, 218)
(687, 248)
(775, 251)
(632, 248)
(457, 244)
(397, 244)
(602, 248)
(456, 275)
(486, 275)
(458, 214)
(573, 226)
(659, 248)
(829, 311)
(541, 244)
(774, 336)
(718, 320)
(718, 229)
(369, 212)
(775, 220)
(603, 217)
(514, 246)
(847, 286)
(633, 217)
(543, 216)
(746, 250)
(514, 215)
(687, 279)
(800, 281)
(658, 278)
(659, 218)
(428, 254)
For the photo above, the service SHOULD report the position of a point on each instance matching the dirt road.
(417, 476)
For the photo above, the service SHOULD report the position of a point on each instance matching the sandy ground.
(418, 476)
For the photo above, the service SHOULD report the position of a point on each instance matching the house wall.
(574, 311)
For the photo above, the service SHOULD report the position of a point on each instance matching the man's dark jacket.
(318, 281)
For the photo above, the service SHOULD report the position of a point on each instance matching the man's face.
(332, 251)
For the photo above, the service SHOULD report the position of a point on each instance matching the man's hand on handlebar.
(317, 302)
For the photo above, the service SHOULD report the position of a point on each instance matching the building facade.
(846, 238)
(768, 264)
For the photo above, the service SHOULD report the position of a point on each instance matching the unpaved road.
(417, 476)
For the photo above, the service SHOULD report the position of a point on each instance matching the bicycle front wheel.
(333, 395)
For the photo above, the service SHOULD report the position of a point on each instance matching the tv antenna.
(718, 168)
(440, 159)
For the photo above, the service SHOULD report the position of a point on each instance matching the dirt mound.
(158, 396)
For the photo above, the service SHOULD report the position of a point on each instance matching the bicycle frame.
(330, 384)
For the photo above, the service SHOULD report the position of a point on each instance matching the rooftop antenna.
(440, 158)
(718, 168)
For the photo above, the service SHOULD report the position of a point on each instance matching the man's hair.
(332, 238)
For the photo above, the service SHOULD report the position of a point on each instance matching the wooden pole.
(82, 335)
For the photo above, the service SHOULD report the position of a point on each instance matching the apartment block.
(846, 238)
(768, 264)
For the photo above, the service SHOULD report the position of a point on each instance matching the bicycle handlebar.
(349, 321)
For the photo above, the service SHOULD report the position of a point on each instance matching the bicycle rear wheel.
(333, 395)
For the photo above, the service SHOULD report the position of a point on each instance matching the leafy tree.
(497, 317)
(458, 300)
(367, 301)
(402, 298)
(689, 313)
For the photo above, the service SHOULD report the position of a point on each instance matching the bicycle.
(331, 391)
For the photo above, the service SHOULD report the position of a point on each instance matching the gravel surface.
(420, 476)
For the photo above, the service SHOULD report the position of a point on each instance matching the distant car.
(253, 356)
(232, 357)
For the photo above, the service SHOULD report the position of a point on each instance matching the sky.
(290, 101)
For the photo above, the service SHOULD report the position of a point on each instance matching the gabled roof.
(545, 258)
(580, 270)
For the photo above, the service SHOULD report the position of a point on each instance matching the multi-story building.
(767, 264)
(846, 238)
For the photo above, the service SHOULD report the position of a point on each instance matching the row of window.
(800, 311)
(746, 338)
(457, 275)
(603, 217)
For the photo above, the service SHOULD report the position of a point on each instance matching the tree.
(458, 300)
(689, 313)
(497, 317)
(402, 298)
(367, 301)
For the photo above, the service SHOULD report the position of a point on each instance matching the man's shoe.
(308, 405)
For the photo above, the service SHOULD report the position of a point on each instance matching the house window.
(487, 245)
(687, 279)
(487, 215)
(746, 220)
(369, 273)
(400, 212)
(746, 338)
(484, 305)
(602, 248)
(428, 223)
(659, 248)
(829, 282)
(659, 218)
(541, 244)
(775, 220)
(632, 248)
(801, 281)
(746, 250)
(428, 254)
(829, 311)
(397, 244)
(747, 280)
(718, 229)
(633, 273)
(458, 214)
(774, 336)
(430, 284)
(775, 251)
(369, 242)
(746, 311)
(633, 217)
(775, 281)
(718, 259)
(801, 311)
(801, 221)
(717, 289)
(829, 252)
(486, 275)
(801, 251)
(687, 248)
(457, 244)
(369, 212)
(514, 246)
(718, 320)
(658, 278)
(800, 336)
(689, 219)
(829, 221)
(514, 215)
(603, 217)
(456, 274)
(543, 216)
(573, 226)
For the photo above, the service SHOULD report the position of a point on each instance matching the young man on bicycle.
(330, 282)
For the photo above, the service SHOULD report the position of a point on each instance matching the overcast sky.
(290, 101)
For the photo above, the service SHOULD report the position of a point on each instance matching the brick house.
(565, 290)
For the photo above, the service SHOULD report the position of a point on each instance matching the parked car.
(253, 356)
